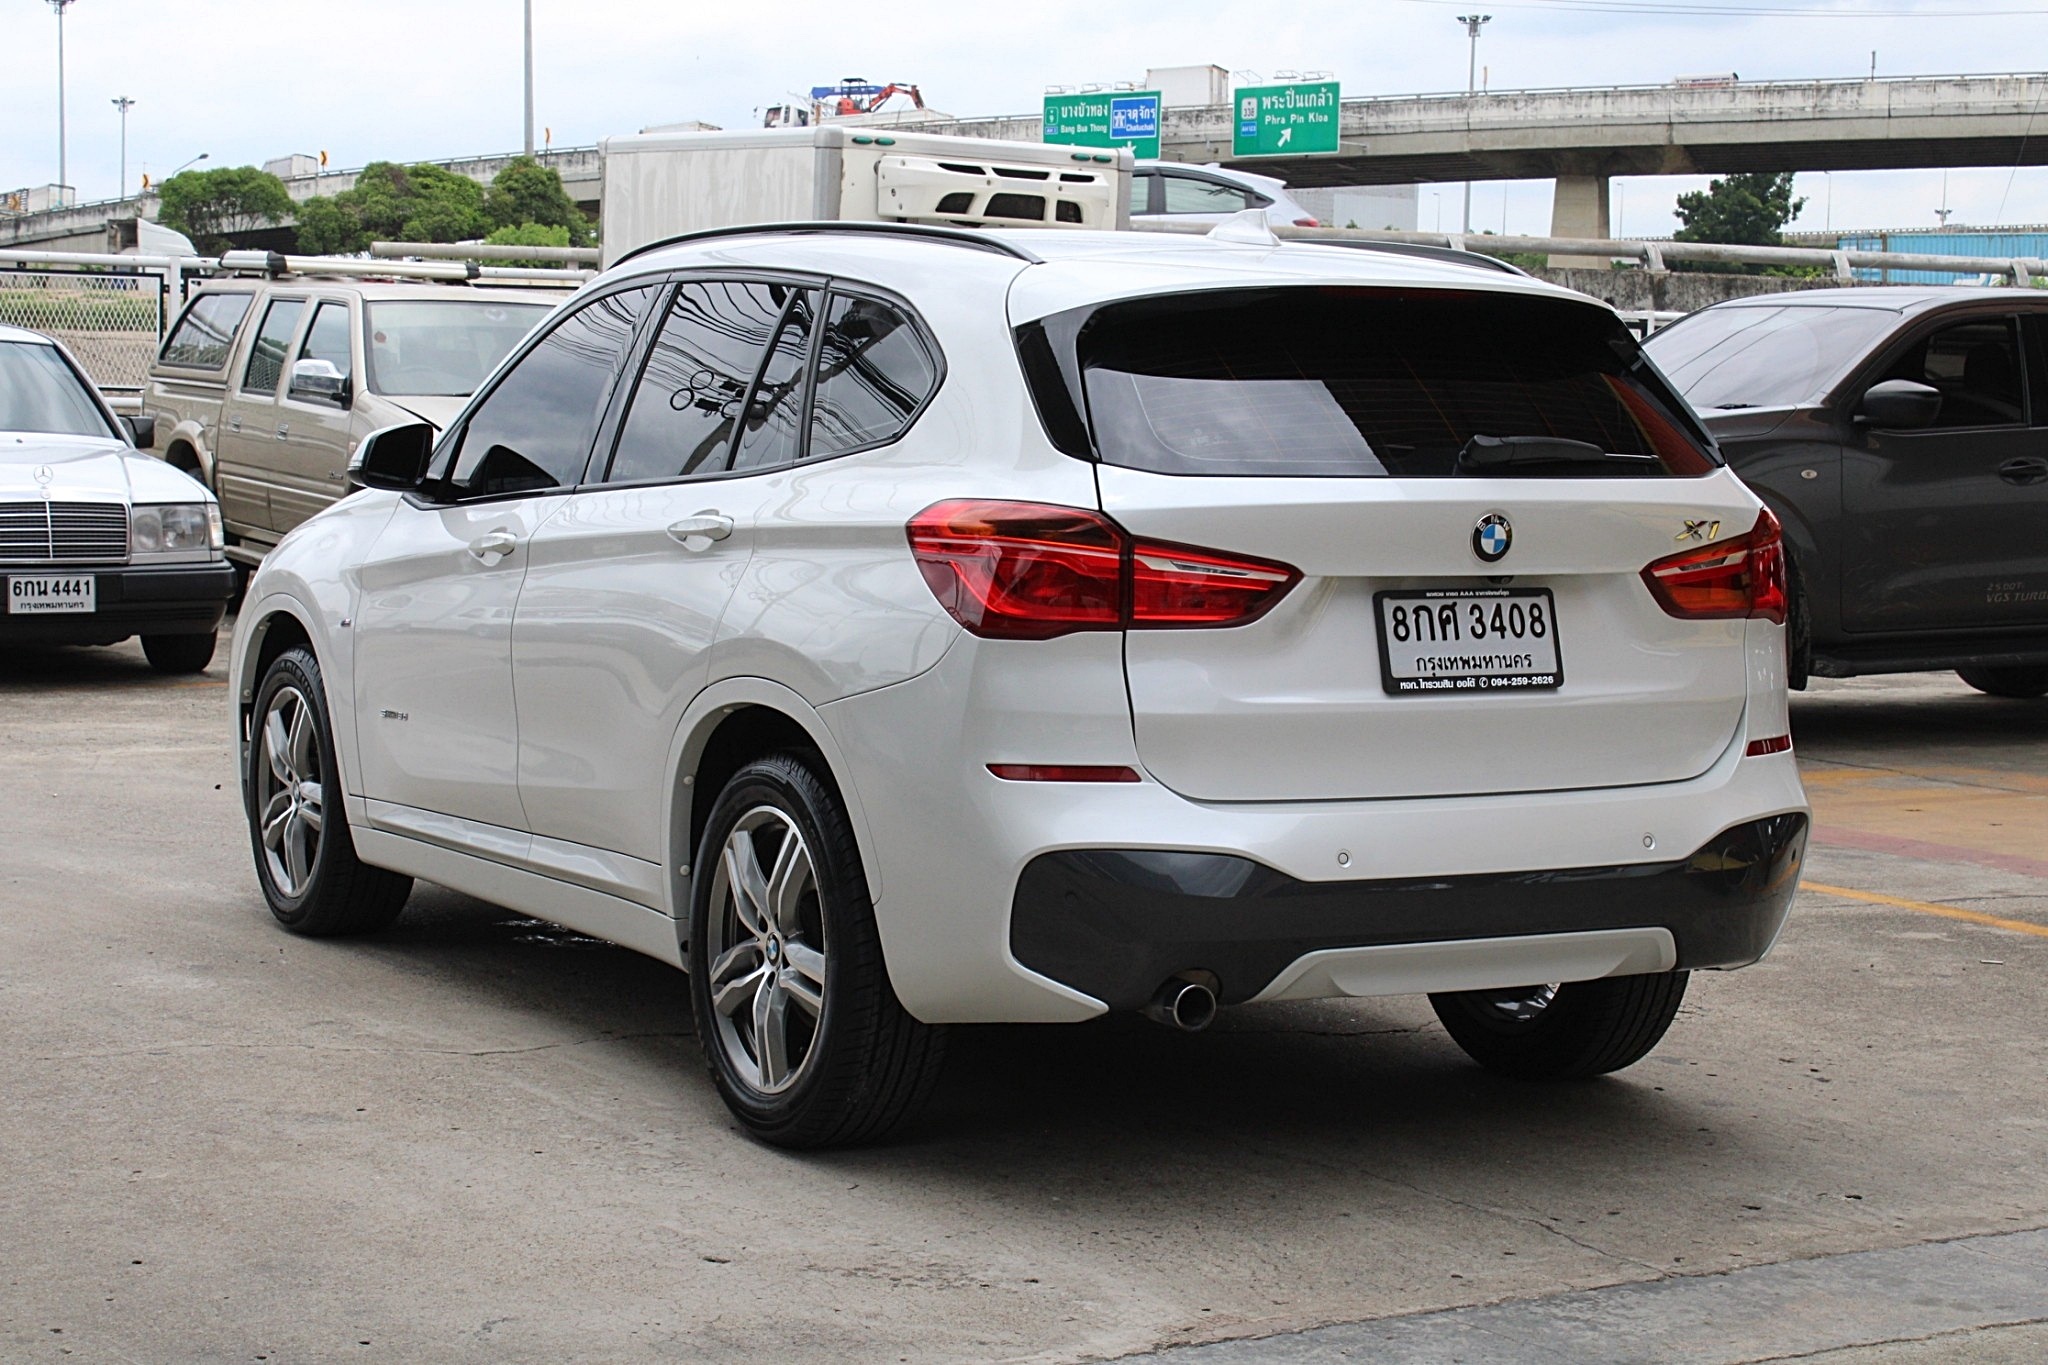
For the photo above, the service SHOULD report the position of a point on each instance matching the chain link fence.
(111, 320)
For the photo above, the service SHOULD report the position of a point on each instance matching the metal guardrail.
(1655, 255)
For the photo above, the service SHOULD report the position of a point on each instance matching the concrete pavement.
(479, 1138)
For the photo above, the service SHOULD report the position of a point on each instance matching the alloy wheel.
(290, 795)
(765, 942)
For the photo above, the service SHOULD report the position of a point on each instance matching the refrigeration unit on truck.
(657, 185)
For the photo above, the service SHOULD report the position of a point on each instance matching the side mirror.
(319, 379)
(1899, 404)
(392, 457)
(141, 429)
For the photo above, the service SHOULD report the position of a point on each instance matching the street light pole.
(529, 77)
(63, 169)
(124, 104)
(1472, 23)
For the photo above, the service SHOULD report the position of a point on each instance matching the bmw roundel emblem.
(1492, 537)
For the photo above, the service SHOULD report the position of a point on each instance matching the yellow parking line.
(2017, 926)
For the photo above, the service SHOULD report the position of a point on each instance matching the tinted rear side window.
(1354, 383)
(202, 338)
(875, 371)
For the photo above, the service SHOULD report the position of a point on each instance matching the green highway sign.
(1107, 118)
(1284, 120)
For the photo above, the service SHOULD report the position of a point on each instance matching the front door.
(313, 444)
(436, 715)
(1934, 530)
(625, 589)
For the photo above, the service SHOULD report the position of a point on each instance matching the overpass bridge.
(1581, 137)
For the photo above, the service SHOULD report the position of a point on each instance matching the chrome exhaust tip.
(1183, 1003)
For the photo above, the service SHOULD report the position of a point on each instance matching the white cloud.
(380, 79)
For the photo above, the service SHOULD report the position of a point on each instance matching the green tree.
(530, 234)
(211, 206)
(1739, 210)
(329, 227)
(528, 192)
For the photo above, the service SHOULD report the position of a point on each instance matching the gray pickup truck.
(265, 386)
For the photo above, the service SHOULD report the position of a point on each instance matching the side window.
(687, 402)
(266, 357)
(535, 429)
(206, 333)
(1185, 194)
(1976, 365)
(1141, 193)
(775, 413)
(875, 371)
(328, 339)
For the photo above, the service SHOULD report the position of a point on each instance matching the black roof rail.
(1477, 260)
(974, 241)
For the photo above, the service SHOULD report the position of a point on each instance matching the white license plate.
(51, 594)
(1469, 640)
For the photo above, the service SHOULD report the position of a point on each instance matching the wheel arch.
(730, 724)
(184, 440)
(278, 624)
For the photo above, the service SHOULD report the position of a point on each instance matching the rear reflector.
(1033, 571)
(1776, 744)
(1740, 577)
(1061, 772)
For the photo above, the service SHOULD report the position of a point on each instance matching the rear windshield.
(1762, 357)
(442, 347)
(1351, 383)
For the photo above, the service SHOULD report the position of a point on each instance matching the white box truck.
(658, 185)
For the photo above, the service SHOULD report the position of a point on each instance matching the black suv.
(1901, 436)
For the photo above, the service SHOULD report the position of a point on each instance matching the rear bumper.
(188, 599)
(1115, 923)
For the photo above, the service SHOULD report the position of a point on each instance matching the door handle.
(698, 532)
(494, 547)
(235, 423)
(2024, 471)
(283, 430)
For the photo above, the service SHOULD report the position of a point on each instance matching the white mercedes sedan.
(897, 627)
(98, 542)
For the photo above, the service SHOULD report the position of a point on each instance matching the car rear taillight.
(1306, 222)
(1740, 577)
(1032, 571)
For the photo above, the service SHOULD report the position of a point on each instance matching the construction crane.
(852, 96)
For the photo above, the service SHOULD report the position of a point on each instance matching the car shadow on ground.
(1376, 1079)
(1912, 713)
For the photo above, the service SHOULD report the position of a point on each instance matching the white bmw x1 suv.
(899, 627)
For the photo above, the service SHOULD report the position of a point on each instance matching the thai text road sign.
(1107, 118)
(1285, 120)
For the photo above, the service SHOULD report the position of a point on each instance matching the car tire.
(1563, 1033)
(1798, 629)
(2024, 682)
(298, 828)
(784, 951)
(180, 653)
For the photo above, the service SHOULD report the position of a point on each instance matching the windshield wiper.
(1506, 454)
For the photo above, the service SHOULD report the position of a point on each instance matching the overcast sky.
(420, 79)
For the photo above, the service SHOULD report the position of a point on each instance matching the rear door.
(1460, 628)
(248, 451)
(1944, 527)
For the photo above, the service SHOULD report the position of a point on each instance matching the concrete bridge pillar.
(1579, 209)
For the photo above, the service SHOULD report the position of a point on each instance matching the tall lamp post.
(63, 170)
(529, 78)
(124, 104)
(1472, 23)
